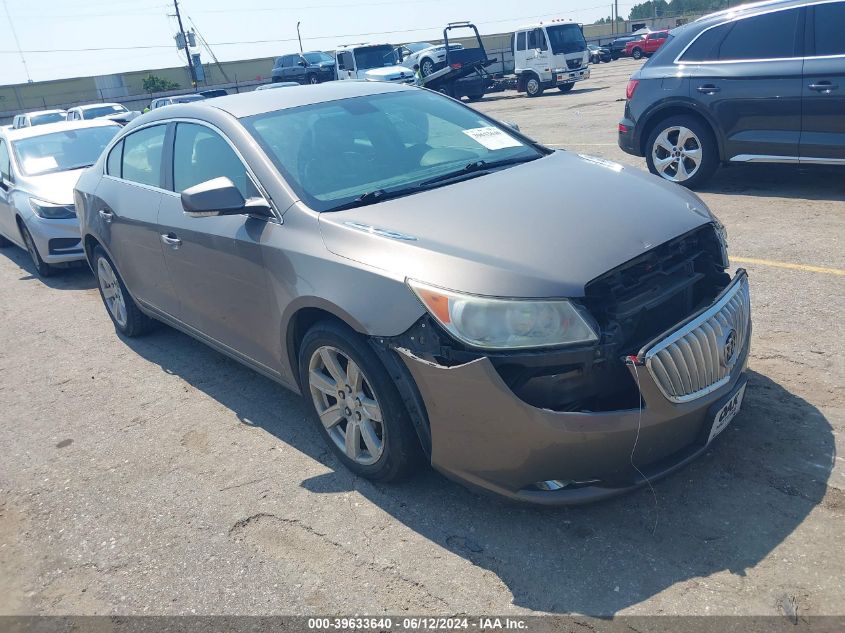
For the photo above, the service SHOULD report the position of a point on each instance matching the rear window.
(767, 36)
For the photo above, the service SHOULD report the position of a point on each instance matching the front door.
(7, 216)
(538, 54)
(748, 74)
(823, 120)
(215, 263)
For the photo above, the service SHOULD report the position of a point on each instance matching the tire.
(42, 268)
(614, 56)
(475, 97)
(697, 146)
(393, 450)
(637, 53)
(427, 67)
(312, 79)
(131, 322)
(533, 86)
(566, 87)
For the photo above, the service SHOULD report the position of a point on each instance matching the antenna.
(17, 42)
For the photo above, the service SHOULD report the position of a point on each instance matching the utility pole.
(210, 52)
(187, 48)
(299, 37)
(17, 43)
(616, 2)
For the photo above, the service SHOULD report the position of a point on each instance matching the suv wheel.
(426, 67)
(42, 268)
(533, 86)
(355, 404)
(124, 312)
(312, 79)
(682, 149)
(637, 53)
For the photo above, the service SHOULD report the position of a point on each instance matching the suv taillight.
(631, 88)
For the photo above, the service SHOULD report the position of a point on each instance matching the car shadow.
(512, 94)
(725, 512)
(805, 182)
(77, 276)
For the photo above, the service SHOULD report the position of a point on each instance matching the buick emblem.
(729, 348)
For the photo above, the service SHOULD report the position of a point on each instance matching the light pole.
(298, 36)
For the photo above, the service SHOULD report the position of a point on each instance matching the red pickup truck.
(649, 43)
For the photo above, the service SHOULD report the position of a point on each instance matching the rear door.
(823, 117)
(128, 199)
(748, 74)
(215, 263)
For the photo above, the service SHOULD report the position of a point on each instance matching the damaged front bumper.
(483, 435)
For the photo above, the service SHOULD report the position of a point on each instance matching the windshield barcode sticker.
(492, 138)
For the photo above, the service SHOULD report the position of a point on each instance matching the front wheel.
(682, 149)
(427, 67)
(637, 53)
(42, 268)
(312, 79)
(356, 406)
(566, 87)
(533, 87)
(124, 312)
(475, 97)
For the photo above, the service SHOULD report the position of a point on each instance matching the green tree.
(153, 83)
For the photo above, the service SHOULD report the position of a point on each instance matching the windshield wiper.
(371, 197)
(476, 168)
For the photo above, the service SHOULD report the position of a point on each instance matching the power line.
(290, 39)
(17, 42)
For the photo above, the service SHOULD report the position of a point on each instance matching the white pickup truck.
(550, 54)
(371, 62)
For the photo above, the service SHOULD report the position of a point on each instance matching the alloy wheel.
(347, 405)
(677, 153)
(112, 294)
(313, 79)
(30, 248)
(533, 86)
(427, 67)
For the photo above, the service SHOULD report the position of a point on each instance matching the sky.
(138, 34)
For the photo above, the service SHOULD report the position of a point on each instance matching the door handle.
(823, 86)
(708, 89)
(171, 240)
(107, 215)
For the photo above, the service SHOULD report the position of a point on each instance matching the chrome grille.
(698, 358)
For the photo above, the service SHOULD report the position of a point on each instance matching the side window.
(114, 161)
(537, 39)
(520, 41)
(5, 167)
(705, 47)
(829, 22)
(200, 154)
(767, 36)
(142, 153)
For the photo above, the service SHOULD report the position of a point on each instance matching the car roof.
(261, 101)
(36, 112)
(343, 47)
(88, 106)
(61, 126)
(752, 8)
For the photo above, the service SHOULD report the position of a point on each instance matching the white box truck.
(550, 54)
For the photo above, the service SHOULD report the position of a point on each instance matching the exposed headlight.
(51, 210)
(505, 323)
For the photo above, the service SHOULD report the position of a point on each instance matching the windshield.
(566, 38)
(332, 153)
(62, 151)
(186, 98)
(418, 46)
(93, 113)
(316, 58)
(375, 57)
(49, 117)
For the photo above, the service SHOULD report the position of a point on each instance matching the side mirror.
(303, 63)
(218, 197)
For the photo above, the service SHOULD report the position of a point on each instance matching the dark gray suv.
(761, 83)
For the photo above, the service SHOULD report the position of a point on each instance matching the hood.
(57, 187)
(388, 73)
(541, 229)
